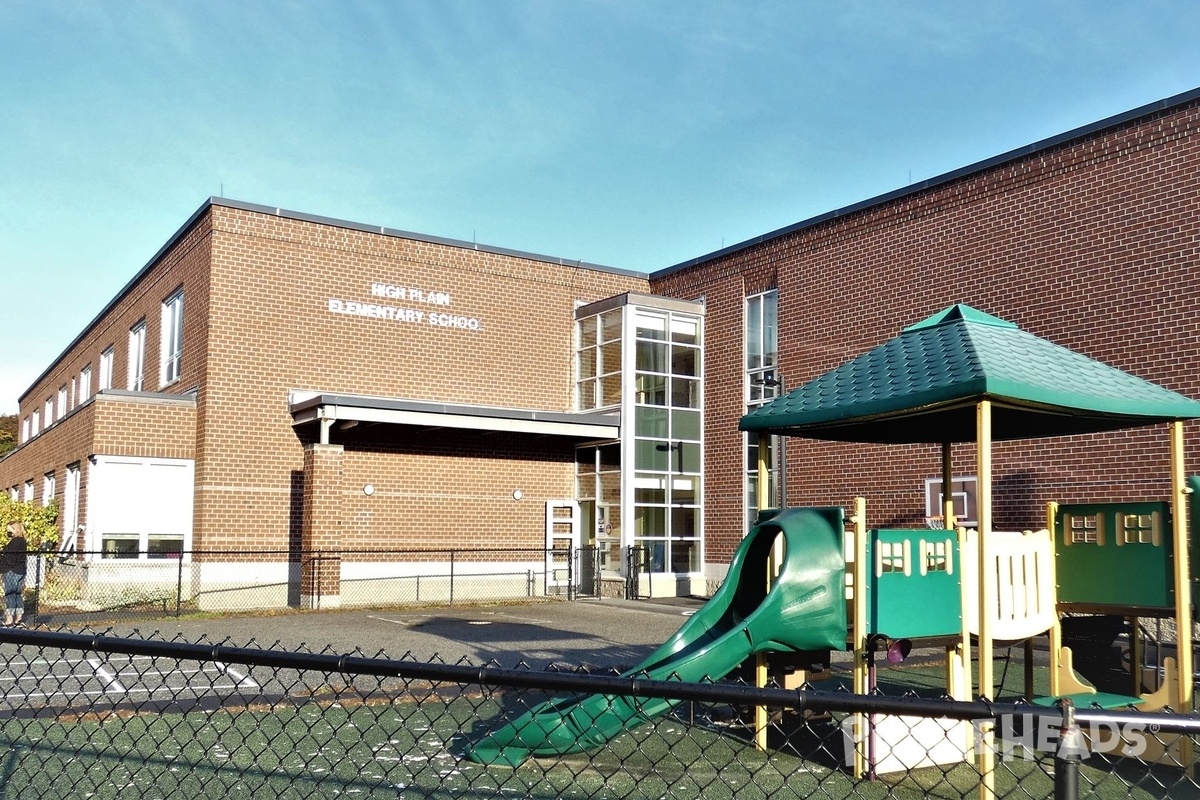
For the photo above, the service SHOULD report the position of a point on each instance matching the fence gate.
(562, 540)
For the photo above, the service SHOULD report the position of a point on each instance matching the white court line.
(106, 676)
(242, 680)
(421, 617)
(411, 620)
(114, 684)
(93, 693)
(533, 620)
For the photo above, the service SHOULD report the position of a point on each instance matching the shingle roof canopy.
(923, 386)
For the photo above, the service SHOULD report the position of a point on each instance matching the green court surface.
(414, 748)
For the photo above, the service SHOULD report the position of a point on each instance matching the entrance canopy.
(347, 410)
(923, 386)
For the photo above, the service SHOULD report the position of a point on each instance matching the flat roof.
(419, 237)
(639, 299)
(954, 175)
(314, 406)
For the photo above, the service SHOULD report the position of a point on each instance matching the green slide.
(804, 609)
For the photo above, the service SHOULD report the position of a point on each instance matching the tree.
(8, 433)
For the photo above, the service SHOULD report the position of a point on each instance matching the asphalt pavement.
(598, 634)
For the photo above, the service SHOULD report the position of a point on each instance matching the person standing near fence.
(13, 560)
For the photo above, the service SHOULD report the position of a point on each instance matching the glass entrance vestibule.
(641, 496)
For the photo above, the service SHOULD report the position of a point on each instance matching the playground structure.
(959, 376)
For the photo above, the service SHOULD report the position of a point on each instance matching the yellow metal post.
(987, 591)
(760, 659)
(1183, 578)
(958, 672)
(1056, 628)
(859, 632)
(761, 497)
(987, 578)
(1183, 589)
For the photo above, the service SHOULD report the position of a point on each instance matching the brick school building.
(282, 383)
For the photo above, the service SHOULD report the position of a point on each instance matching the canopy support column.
(1183, 579)
(858, 608)
(958, 661)
(987, 590)
(760, 660)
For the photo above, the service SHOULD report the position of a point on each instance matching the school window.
(598, 490)
(70, 511)
(106, 369)
(598, 361)
(667, 439)
(48, 488)
(25, 434)
(141, 508)
(49, 411)
(85, 385)
(137, 357)
(762, 346)
(172, 338)
(35, 424)
(62, 401)
(763, 384)
(27, 495)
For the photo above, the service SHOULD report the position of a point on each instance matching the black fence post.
(635, 560)
(179, 587)
(39, 578)
(317, 579)
(574, 554)
(1068, 754)
(630, 571)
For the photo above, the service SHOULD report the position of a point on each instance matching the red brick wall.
(1092, 244)
(272, 279)
(464, 497)
(256, 325)
(323, 520)
(129, 426)
(108, 425)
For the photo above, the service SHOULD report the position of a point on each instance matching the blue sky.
(636, 134)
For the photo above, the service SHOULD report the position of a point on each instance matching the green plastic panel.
(1088, 700)
(1114, 554)
(914, 583)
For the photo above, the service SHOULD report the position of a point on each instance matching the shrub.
(41, 530)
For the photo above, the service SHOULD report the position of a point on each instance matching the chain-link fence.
(95, 716)
(88, 586)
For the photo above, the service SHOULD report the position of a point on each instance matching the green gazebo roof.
(923, 385)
